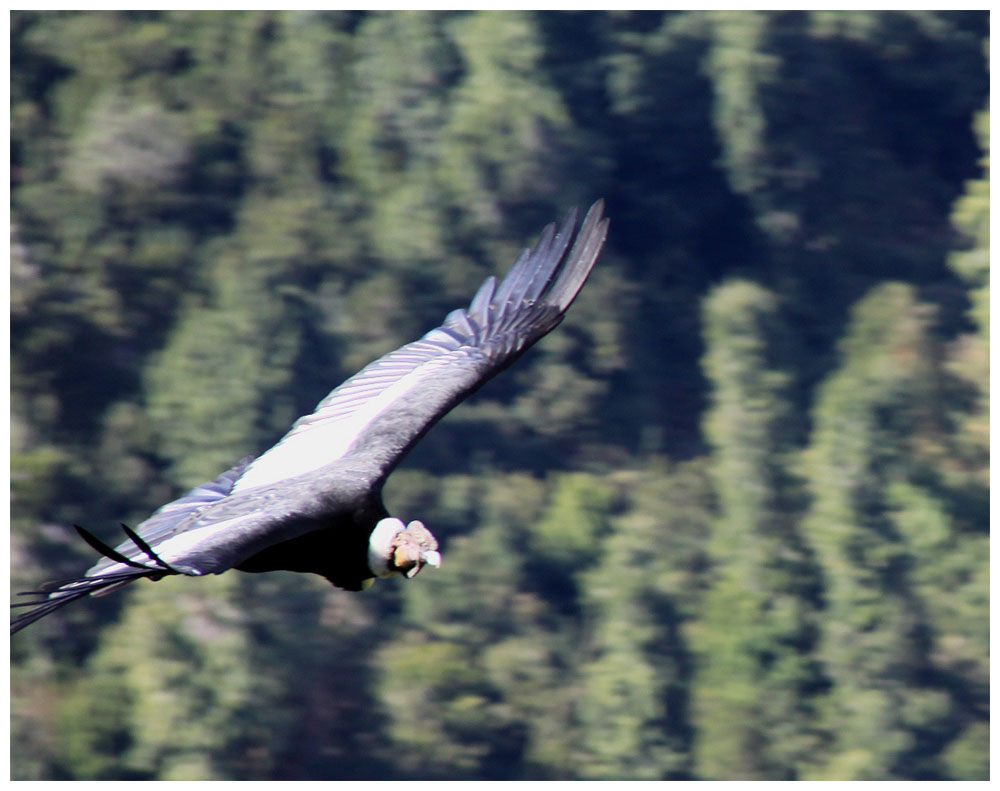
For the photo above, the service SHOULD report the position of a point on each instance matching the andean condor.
(313, 502)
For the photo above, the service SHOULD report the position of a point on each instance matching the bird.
(312, 503)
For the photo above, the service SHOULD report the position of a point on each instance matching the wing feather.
(387, 406)
(481, 302)
(167, 521)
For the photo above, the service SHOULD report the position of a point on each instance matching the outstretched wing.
(382, 411)
(357, 434)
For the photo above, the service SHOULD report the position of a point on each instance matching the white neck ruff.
(380, 546)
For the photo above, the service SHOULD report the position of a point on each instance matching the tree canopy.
(729, 521)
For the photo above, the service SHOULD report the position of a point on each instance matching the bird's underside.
(312, 503)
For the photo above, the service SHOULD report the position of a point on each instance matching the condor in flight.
(313, 502)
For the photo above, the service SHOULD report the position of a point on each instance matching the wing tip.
(557, 266)
(579, 261)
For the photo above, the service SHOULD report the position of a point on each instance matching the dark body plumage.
(313, 502)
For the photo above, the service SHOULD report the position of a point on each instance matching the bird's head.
(395, 548)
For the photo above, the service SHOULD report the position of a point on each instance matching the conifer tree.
(753, 706)
(639, 603)
(872, 422)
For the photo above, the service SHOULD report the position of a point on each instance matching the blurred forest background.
(729, 521)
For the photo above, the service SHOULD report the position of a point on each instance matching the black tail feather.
(148, 550)
(70, 591)
(99, 546)
(51, 587)
(18, 622)
(54, 595)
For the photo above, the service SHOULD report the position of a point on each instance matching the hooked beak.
(430, 558)
(409, 560)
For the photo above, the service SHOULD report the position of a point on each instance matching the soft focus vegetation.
(730, 521)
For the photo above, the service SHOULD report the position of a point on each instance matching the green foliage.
(181, 688)
(877, 517)
(972, 217)
(729, 521)
(754, 707)
(570, 529)
(641, 600)
(970, 361)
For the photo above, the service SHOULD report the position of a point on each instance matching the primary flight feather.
(313, 502)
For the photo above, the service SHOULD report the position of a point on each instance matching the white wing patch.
(327, 434)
